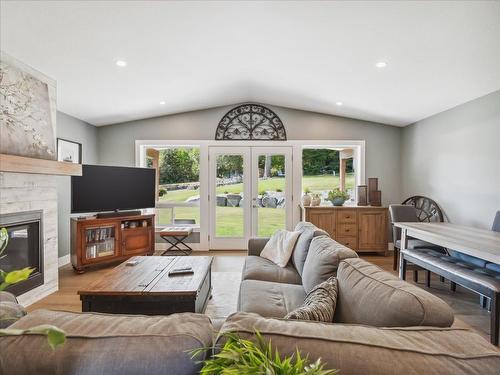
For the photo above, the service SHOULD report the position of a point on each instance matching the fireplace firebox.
(24, 249)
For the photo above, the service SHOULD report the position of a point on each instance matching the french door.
(250, 193)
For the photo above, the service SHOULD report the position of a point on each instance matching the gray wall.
(117, 142)
(454, 158)
(72, 129)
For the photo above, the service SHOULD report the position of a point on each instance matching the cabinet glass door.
(100, 242)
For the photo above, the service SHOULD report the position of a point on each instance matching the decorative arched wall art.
(250, 122)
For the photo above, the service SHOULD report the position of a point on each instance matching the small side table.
(176, 236)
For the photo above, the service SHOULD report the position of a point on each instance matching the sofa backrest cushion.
(369, 295)
(356, 349)
(107, 344)
(308, 232)
(322, 260)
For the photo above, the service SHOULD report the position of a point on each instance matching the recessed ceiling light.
(339, 103)
(162, 102)
(381, 64)
(121, 63)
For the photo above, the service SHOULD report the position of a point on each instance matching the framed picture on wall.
(69, 151)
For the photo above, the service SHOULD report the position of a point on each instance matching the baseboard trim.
(65, 259)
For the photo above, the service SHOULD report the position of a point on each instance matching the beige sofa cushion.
(309, 231)
(269, 299)
(107, 344)
(258, 268)
(369, 295)
(323, 260)
(361, 350)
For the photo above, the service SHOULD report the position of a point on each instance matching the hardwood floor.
(66, 298)
(468, 312)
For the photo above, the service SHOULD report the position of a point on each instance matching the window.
(327, 168)
(178, 186)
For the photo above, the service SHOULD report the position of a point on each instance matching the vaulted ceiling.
(307, 55)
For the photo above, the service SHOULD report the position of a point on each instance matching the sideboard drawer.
(350, 242)
(347, 229)
(346, 216)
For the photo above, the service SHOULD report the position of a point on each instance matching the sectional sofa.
(382, 325)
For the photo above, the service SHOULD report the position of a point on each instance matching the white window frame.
(297, 146)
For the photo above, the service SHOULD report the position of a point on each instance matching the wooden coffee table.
(146, 288)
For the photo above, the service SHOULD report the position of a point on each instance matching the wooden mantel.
(21, 164)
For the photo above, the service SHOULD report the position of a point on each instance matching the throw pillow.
(280, 246)
(319, 303)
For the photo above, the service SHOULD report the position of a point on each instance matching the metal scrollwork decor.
(250, 122)
(428, 210)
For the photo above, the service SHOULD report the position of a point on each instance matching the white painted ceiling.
(306, 55)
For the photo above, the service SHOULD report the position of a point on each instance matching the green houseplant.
(246, 357)
(55, 336)
(337, 197)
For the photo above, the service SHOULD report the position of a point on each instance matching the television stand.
(117, 213)
(110, 240)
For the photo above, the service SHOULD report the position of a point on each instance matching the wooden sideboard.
(361, 228)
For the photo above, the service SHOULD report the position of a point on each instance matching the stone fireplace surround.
(28, 192)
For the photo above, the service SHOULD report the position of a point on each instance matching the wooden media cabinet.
(111, 239)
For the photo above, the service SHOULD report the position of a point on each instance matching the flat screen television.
(103, 188)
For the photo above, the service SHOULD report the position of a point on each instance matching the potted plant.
(306, 198)
(316, 200)
(240, 356)
(337, 197)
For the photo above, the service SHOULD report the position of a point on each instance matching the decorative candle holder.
(372, 187)
(376, 198)
(361, 195)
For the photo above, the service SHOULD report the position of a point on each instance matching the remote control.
(181, 271)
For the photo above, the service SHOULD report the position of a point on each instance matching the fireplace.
(24, 249)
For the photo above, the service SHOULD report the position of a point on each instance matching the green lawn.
(230, 219)
(315, 183)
